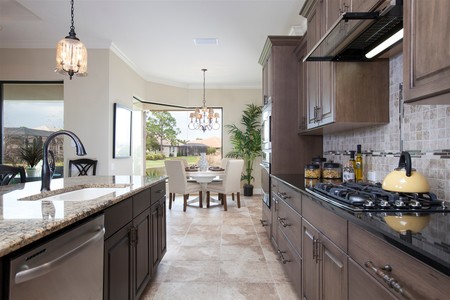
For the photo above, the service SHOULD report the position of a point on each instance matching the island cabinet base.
(135, 243)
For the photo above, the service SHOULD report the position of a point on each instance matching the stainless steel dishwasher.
(70, 266)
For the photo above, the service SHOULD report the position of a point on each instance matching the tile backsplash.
(422, 130)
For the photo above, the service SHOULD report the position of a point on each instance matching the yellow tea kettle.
(405, 179)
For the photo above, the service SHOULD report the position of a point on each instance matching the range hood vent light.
(356, 33)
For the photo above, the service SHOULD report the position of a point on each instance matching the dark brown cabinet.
(286, 224)
(342, 95)
(280, 81)
(324, 266)
(395, 271)
(158, 221)
(426, 58)
(363, 286)
(135, 235)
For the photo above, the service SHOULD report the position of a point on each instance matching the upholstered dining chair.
(230, 184)
(84, 166)
(7, 173)
(178, 183)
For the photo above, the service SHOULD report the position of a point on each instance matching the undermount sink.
(80, 193)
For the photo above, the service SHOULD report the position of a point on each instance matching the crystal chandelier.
(71, 54)
(203, 117)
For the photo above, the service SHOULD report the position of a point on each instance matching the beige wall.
(89, 101)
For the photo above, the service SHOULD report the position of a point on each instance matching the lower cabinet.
(158, 226)
(324, 266)
(135, 242)
(363, 286)
(395, 271)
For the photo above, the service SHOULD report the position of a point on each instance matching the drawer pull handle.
(283, 260)
(282, 222)
(390, 281)
(283, 195)
(264, 222)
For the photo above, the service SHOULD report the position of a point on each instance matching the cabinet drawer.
(290, 196)
(416, 278)
(118, 216)
(363, 286)
(141, 201)
(290, 223)
(292, 263)
(158, 191)
(330, 224)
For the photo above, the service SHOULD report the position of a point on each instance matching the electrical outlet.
(372, 176)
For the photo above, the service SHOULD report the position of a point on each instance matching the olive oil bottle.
(358, 164)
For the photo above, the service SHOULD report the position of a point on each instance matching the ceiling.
(156, 38)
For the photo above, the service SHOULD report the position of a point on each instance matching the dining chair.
(178, 183)
(230, 184)
(7, 173)
(84, 166)
(185, 162)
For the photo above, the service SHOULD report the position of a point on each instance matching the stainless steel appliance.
(266, 146)
(368, 197)
(70, 266)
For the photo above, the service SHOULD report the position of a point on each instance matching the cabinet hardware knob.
(282, 222)
(283, 260)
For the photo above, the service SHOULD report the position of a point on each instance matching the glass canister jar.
(331, 171)
(312, 171)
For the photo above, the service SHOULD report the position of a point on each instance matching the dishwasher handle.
(26, 275)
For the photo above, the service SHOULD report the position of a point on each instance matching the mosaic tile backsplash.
(422, 130)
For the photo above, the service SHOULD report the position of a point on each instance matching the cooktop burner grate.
(371, 197)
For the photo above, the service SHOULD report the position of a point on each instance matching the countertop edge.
(57, 225)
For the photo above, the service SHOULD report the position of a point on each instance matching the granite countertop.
(25, 221)
(431, 244)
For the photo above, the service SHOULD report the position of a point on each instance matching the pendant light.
(203, 117)
(71, 54)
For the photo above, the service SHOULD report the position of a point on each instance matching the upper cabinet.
(426, 54)
(342, 95)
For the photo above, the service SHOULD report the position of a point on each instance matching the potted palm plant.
(246, 142)
(32, 154)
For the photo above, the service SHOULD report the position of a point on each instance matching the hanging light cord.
(72, 33)
(204, 93)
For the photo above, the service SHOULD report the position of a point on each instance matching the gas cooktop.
(371, 197)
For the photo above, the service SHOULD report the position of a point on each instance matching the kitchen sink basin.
(81, 193)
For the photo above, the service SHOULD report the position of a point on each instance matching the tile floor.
(215, 254)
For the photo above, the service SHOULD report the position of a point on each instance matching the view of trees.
(161, 128)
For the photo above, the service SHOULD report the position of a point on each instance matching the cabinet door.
(426, 51)
(362, 286)
(154, 228)
(334, 271)
(310, 271)
(142, 252)
(163, 228)
(117, 266)
(325, 110)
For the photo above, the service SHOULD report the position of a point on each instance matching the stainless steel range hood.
(356, 33)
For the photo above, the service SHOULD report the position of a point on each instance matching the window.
(31, 112)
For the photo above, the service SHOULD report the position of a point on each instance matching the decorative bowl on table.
(192, 168)
(216, 169)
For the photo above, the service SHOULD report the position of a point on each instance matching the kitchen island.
(130, 204)
(354, 254)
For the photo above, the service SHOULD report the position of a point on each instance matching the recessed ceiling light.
(206, 41)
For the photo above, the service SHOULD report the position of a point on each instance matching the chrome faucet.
(46, 169)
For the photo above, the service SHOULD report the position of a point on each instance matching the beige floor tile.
(219, 255)
(186, 291)
(247, 291)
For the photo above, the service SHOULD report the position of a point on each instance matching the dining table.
(203, 178)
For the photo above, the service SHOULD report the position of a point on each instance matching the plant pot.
(248, 190)
(32, 172)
